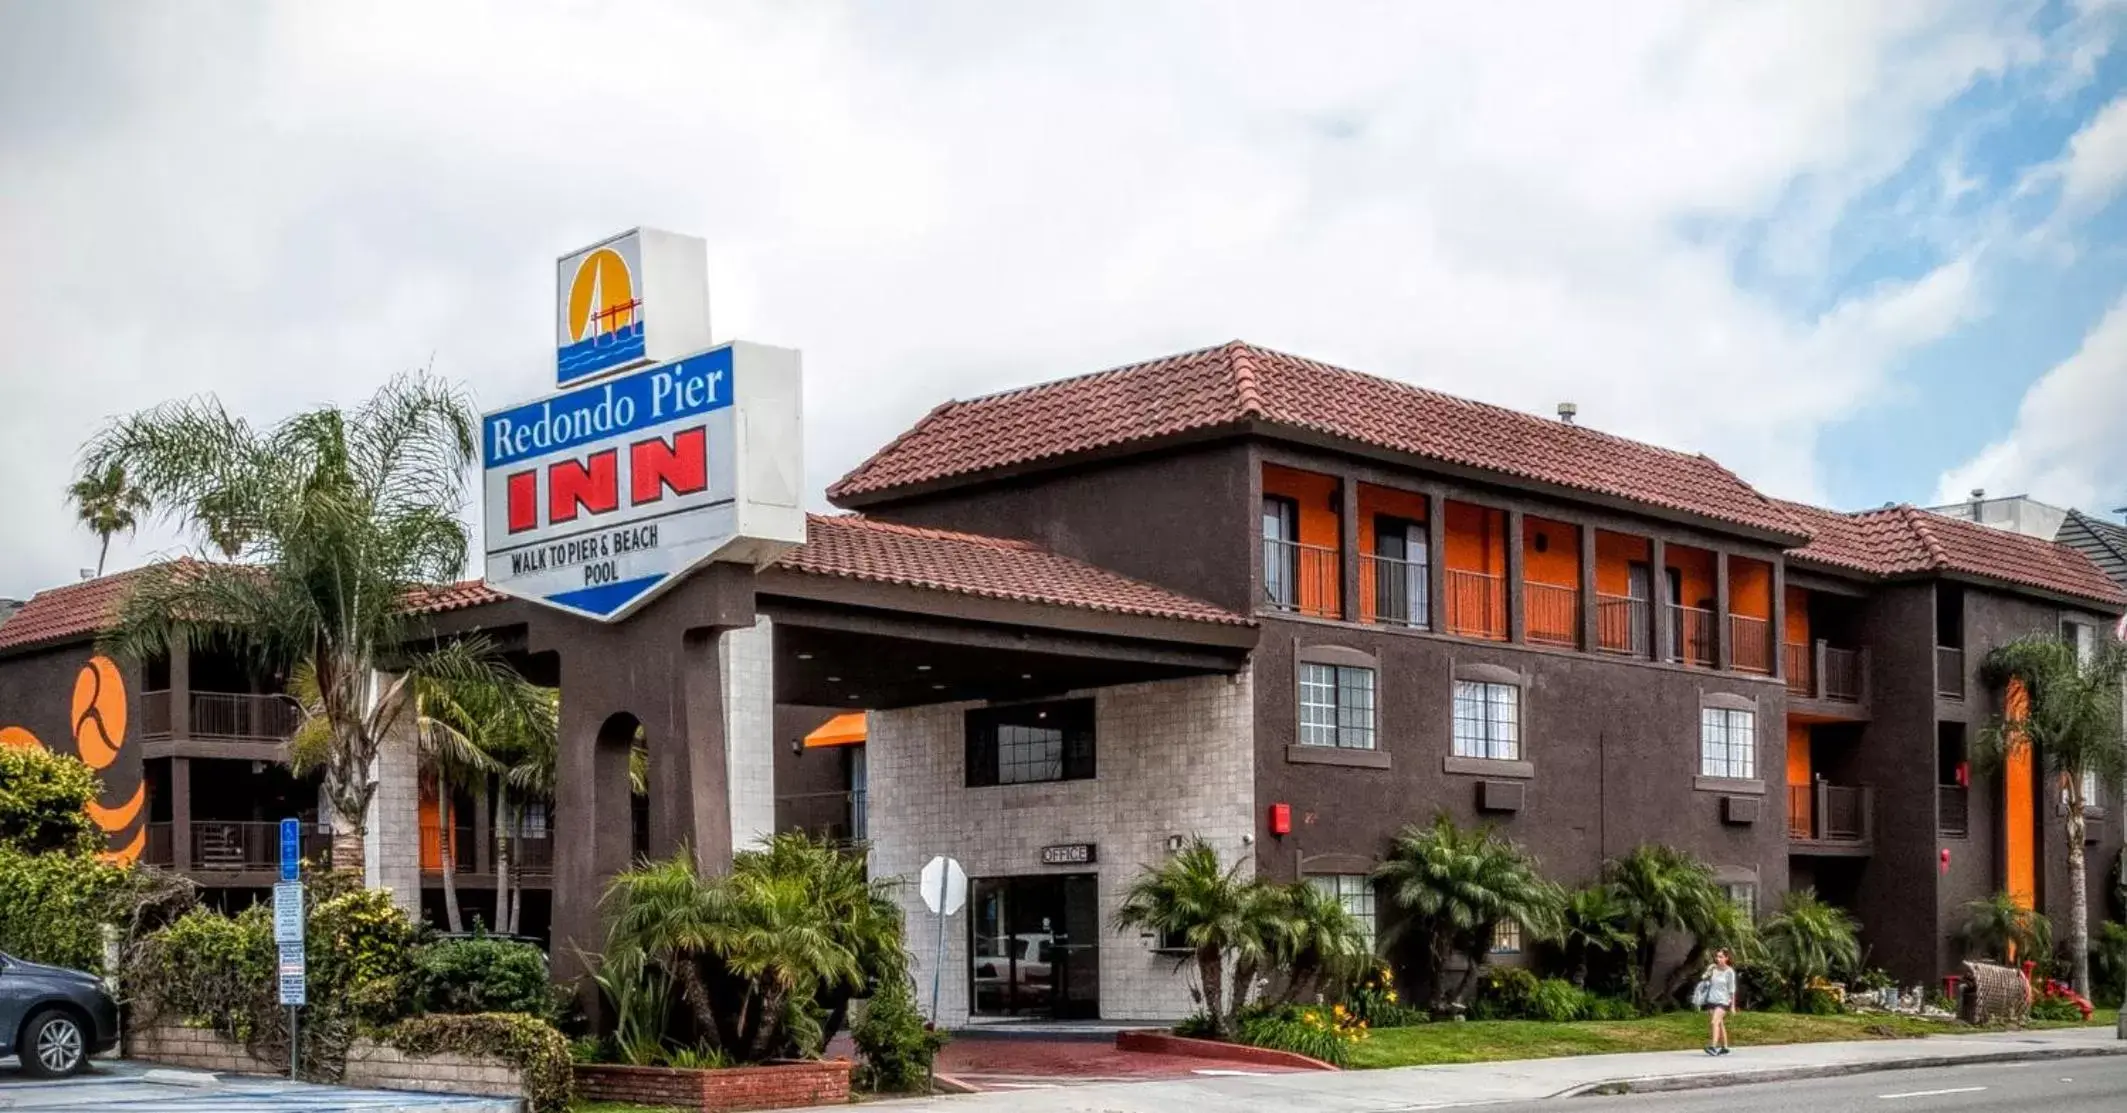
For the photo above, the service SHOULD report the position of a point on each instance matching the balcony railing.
(1394, 591)
(1844, 673)
(837, 816)
(1800, 661)
(1477, 604)
(1302, 578)
(1691, 635)
(461, 843)
(1750, 644)
(1623, 625)
(219, 845)
(1553, 614)
(531, 854)
(1953, 811)
(1836, 815)
(1949, 672)
(160, 849)
(223, 716)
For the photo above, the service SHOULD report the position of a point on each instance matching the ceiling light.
(853, 695)
(804, 656)
(923, 668)
(834, 680)
(1026, 676)
(938, 687)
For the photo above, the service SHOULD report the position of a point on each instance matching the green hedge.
(527, 1043)
(482, 975)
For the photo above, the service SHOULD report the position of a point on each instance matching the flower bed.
(728, 1090)
(1167, 1043)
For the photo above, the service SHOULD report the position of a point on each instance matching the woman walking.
(1717, 995)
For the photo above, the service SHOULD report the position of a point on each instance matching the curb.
(1659, 1084)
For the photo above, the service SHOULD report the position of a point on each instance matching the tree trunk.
(447, 851)
(2078, 890)
(101, 554)
(1209, 970)
(696, 995)
(1244, 976)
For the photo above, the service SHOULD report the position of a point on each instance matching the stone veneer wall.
(1173, 757)
(748, 663)
(392, 840)
(369, 1064)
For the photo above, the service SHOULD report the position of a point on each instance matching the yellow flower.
(1392, 997)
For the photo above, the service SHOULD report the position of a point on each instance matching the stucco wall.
(37, 695)
(749, 730)
(1173, 758)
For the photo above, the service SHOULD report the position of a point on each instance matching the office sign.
(1068, 854)
(640, 297)
(598, 498)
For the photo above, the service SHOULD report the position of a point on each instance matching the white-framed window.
(1355, 891)
(2091, 794)
(1728, 743)
(1336, 706)
(532, 819)
(1506, 938)
(2081, 635)
(1744, 895)
(1487, 720)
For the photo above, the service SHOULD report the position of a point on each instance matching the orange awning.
(842, 730)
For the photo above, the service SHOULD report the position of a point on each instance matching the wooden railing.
(161, 848)
(1750, 644)
(1949, 672)
(1953, 811)
(1691, 635)
(1800, 662)
(1553, 614)
(1827, 813)
(1845, 673)
(1477, 604)
(1623, 625)
(1393, 592)
(1303, 579)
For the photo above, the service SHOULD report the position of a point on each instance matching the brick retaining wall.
(369, 1064)
(781, 1086)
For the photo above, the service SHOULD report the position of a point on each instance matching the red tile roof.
(1902, 540)
(1239, 383)
(858, 548)
(64, 613)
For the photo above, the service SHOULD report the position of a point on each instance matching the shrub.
(1375, 1000)
(539, 1053)
(1612, 1008)
(2108, 964)
(894, 1042)
(44, 800)
(54, 906)
(481, 975)
(211, 968)
(361, 945)
(1558, 1000)
(1505, 993)
(1818, 1001)
(2056, 1009)
(1316, 1032)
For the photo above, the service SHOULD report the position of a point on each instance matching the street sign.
(291, 849)
(636, 298)
(599, 497)
(944, 885)
(288, 912)
(294, 975)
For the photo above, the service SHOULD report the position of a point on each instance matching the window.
(1401, 572)
(532, 819)
(1030, 743)
(1487, 720)
(1728, 743)
(1281, 554)
(1744, 895)
(1355, 891)
(1506, 938)
(2092, 797)
(1336, 706)
(2081, 635)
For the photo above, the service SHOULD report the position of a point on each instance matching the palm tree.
(528, 764)
(1594, 924)
(107, 504)
(2000, 928)
(867, 920)
(1215, 912)
(1455, 888)
(1661, 889)
(341, 513)
(2071, 721)
(1321, 943)
(1808, 938)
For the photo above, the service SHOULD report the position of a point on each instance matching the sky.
(1858, 252)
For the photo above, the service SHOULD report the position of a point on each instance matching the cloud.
(2094, 167)
(2065, 447)
(284, 204)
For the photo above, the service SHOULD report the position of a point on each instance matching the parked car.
(53, 1018)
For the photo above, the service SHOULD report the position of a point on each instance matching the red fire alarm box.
(1964, 774)
(1281, 819)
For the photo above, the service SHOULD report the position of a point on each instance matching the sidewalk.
(1403, 1088)
(122, 1086)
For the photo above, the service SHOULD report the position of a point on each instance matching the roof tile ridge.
(1117, 371)
(1241, 356)
(1938, 557)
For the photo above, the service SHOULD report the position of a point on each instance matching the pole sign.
(288, 912)
(636, 298)
(605, 494)
(291, 849)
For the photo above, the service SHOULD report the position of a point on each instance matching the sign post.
(944, 886)
(288, 935)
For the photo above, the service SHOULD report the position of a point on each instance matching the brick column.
(1590, 627)
(749, 731)
(1436, 550)
(1658, 606)
(180, 812)
(1517, 602)
(1779, 619)
(1348, 545)
(1724, 649)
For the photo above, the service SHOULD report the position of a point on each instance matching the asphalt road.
(2061, 1086)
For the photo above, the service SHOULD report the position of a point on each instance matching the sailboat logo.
(601, 311)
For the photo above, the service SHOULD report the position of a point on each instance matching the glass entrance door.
(1036, 947)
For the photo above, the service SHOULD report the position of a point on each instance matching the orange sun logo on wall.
(602, 298)
(99, 727)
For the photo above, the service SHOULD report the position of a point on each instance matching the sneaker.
(1724, 1051)
(1712, 1050)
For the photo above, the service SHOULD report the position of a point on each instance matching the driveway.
(117, 1086)
(1023, 1063)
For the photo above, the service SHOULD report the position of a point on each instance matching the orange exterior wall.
(1559, 564)
(1375, 501)
(1695, 570)
(1797, 632)
(1476, 539)
(431, 821)
(1615, 554)
(1316, 496)
(2019, 815)
(1750, 588)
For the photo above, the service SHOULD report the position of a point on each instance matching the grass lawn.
(1486, 1041)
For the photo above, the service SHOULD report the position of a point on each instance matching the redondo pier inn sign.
(603, 495)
